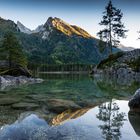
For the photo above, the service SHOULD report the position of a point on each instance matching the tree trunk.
(10, 60)
(110, 37)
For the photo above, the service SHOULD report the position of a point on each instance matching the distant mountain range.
(57, 42)
(124, 48)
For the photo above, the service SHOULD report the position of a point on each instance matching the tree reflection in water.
(134, 119)
(112, 120)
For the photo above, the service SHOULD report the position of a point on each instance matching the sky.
(84, 13)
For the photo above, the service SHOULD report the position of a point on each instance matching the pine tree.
(114, 28)
(12, 50)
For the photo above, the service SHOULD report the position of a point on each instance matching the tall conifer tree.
(114, 28)
(12, 50)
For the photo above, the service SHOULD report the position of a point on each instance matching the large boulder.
(134, 103)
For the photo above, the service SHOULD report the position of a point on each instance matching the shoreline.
(64, 72)
(7, 80)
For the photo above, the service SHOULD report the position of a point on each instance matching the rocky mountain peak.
(22, 28)
(39, 29)
(55, 24)
(51, 21)
(67, 29)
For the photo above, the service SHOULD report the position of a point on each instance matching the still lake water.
(104, 112)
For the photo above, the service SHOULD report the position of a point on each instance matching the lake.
(69, 107)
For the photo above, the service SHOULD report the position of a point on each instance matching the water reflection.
(112, 120)
(112, 84)
(105, 122)
(68, 115)
(27, 128)
(134, 119)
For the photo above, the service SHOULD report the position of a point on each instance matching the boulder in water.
(134, 103)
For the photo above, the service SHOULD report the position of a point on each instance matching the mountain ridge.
(57, 42)
(124, 48)
(57, 23)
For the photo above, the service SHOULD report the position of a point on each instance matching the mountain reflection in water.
(107, 121)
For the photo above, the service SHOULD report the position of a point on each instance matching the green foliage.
(7, 26)
(102, 46)
(110, 60)
(114, 28)
(12, 51)
(63, 54)
(135, 64)
(65, 67)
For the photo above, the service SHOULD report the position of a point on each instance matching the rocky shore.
(125, 66)
(122, 72)
(7, 80)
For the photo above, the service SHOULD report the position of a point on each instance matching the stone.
(25, 106)
(135, 101)
(2, 80)
(60, 105)
(8, 101)
(39, 80)
(7, 80)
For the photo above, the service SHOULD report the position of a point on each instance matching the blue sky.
(84, 13)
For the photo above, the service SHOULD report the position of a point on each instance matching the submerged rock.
(134, 103)
(60, 105)
(8, 101)
(25, 106)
